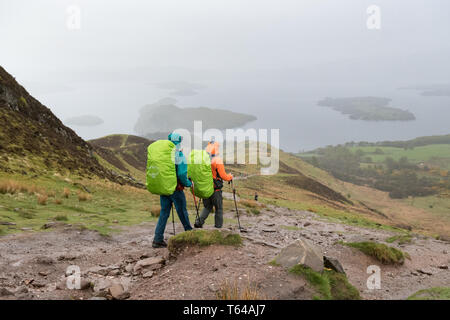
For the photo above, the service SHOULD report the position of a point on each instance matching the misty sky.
(222, 35)
(261, 42)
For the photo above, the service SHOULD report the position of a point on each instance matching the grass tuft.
(66, 193)
(379, 251)
(249, 203)
(42, 199)
(82, 196)
(438, 293)
(26, 215)
(231, 291)
(23, 101)
(203, 238)
(155, 211)
(401, 239)
(61, 217)
(274, 263)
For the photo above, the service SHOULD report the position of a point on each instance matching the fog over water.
(272, 59)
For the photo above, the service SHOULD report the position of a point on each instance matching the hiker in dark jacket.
(216, 200)
(178, 199)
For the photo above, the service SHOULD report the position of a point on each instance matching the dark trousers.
(215, 201)
(179, 200)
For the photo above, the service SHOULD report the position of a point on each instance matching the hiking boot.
(161, 244)
(198, 225)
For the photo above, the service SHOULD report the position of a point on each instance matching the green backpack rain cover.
(161, 172)
(199, 170)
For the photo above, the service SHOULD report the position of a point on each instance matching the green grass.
(333, 215)
(23, 101)
(416, 155)
(290, 228)
(401, 239)
(274, 263)
(438, 293)
(203, 238)
(61, 217)
(330, 285)
(110, 206)
(379, 251)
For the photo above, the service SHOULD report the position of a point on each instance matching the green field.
(437, 154)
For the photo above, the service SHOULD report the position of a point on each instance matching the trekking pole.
(173, 221)
(235, 205)
(195, 202)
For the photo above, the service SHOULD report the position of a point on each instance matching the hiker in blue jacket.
(177, 198)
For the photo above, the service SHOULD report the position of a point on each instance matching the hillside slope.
(126, 154)
(34, 140)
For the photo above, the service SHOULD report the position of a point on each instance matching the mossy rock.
(329, 284)
(379, 251)
(203, 238)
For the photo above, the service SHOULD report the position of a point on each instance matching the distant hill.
(437, 90)
(164, 116)
(416, 142)
(367, 109)
(125, 153)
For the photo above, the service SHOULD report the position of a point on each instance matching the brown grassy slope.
(127, 153)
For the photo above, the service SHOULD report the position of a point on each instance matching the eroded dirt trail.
(33, 265)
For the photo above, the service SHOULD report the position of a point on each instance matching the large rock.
(101, 284)
(5, 292)
(118, 292)
(333, 264)
(148, 263)
(301, 252)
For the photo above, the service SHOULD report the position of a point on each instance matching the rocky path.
(34, 265)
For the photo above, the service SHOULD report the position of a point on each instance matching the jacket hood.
(213, 148)
(175, 138)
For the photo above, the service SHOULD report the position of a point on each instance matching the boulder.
(333, 264)
(118, 292)
(147, 263)
(7, 223)
(102, 270)
(85, 284)
(301, 252)
(21, 290)
(101, 284)
(427, 272)
(44, 260)
(49, 225)
(129, 268)
(61, 285)
(5, 292)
